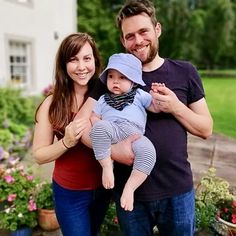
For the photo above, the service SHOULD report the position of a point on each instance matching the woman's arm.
(122, 151)
(46, 147)
(85, 112)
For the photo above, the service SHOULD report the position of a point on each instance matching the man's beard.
(152, 53)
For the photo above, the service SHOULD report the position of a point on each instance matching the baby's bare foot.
(127, 199)
(108, 177)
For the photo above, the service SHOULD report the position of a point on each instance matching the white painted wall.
(38, 24)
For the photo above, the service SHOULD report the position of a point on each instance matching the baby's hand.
(155, 87)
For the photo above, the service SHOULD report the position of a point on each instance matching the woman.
(80, 201)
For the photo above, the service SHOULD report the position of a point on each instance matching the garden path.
(218, 151)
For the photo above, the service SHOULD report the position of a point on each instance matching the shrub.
(16, 120)
(44, 196)
(210, 191)
(17, 196)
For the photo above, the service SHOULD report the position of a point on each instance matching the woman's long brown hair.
(63, 94)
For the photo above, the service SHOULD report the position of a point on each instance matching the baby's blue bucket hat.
(127, 64)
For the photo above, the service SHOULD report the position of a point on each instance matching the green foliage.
(97, 18)
(6, 138)
(219, 23)
(15, 107)
(17, 197)
(200, 31)
(111, 221)
(19, 130)
(174, 17)
(203, 32)
(205, 215)
(191, 49)
(210, 191)
(16, 120)
(44, 196)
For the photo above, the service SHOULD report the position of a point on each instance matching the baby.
(119, 114)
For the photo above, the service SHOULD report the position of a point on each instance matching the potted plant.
(46, 214)
(210, 191)
(18, 206)
(226, 215)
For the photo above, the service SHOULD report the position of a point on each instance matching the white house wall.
(44, 25)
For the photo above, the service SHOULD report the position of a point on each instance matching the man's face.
(140, 37)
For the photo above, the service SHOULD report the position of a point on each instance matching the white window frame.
(23, 79)
(26, 3)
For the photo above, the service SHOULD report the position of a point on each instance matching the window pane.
(11, 59)
(18, 61)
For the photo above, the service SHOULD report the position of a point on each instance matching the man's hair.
(136, 7)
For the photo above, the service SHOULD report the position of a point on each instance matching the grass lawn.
(221, 99)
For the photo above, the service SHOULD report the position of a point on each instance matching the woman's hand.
(74, 131)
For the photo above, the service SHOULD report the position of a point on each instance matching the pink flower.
(234, 218)
(11, 197)
(116, 220)
(32, 205)
(9, 179)
(47, 90)
(30, 177)
(225, 209)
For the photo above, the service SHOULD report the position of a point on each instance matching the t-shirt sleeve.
(98, 90)
(99, 106)
(196, 90)
(145, 98)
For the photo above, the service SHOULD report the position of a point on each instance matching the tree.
(202, 31)
(219, 23)
(174, 16)
(228, 59)
(97, 17)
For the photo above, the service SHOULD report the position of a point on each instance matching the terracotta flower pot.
(47, 220)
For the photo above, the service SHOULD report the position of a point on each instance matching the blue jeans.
(172, 216)
(80, 212)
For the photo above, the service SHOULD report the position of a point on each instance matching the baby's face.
(117, 83)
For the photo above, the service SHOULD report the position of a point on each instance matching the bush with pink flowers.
(18, 207)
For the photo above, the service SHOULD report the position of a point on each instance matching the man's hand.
(165, 99)
(122, 152)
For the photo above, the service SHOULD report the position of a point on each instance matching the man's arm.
(85, 112)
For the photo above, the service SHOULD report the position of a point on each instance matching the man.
(166, 198)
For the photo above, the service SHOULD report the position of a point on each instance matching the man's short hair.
(136, 7)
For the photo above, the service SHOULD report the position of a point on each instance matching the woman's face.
(81, 67)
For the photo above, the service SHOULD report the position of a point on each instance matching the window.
(19, 59)
(28, 3)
